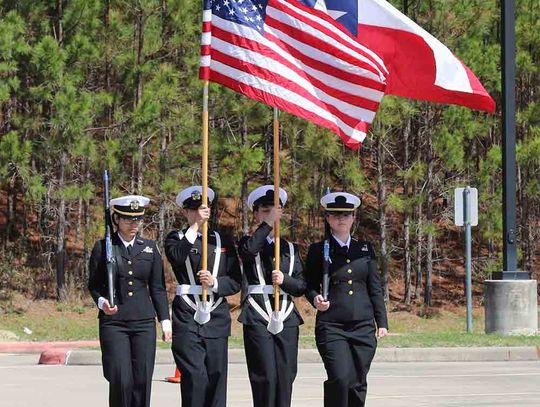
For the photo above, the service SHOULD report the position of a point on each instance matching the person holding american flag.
(270, 337)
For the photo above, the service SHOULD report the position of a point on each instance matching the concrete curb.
(479, 354)
(237, 356)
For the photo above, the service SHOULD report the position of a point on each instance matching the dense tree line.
(88, 85)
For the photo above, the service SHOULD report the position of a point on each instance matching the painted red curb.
(53, 357)
(36, 347)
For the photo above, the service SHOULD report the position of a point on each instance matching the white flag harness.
(202, 311)
(275, 320)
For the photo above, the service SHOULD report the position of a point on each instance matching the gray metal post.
(511, 305)
(509, 137)
(508, 56)
(468, 255)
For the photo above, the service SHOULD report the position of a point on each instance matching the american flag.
(295, 58)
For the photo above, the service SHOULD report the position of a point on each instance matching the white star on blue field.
(344, 12)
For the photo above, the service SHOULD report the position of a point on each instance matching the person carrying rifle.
(127, 330)
(348, 319)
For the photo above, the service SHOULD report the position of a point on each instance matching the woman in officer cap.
(127, 331)
(270, 339)
(201, 330)
(348, 320)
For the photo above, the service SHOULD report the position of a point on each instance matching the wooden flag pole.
(277, 261)
(204, 253)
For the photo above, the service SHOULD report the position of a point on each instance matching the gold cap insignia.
(196, 196)
(134, 205)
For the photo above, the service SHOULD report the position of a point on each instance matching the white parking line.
(416, 376)
(412, 396)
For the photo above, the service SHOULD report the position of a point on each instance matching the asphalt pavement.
(24, 383)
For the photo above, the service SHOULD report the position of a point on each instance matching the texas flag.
(419, 66)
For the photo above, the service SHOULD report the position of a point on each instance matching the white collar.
(348, 243)
(269, 239)
(126, 243)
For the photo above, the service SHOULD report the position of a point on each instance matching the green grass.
(52, 322)
(77, 320)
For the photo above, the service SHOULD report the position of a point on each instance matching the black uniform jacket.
(139, 280)
(229, 279)
(295, 285)
(355, 291)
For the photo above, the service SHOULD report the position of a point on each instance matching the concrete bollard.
(511, 307)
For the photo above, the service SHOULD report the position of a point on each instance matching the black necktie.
(129, 249)
(342, 250)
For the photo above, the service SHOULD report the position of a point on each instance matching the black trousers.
(128, 352)
(347, 351)
(272, 364)
(203, 364)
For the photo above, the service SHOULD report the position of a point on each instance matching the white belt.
(184, 289)
(262, 289)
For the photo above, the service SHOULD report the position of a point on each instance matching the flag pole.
(204, 253)
(277, 261)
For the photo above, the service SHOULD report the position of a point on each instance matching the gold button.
(130, 294)
(348, 260)
(130, 283)
(350, 282)
(130, 272)
(350, 292)
(349, 271)
(129, 261)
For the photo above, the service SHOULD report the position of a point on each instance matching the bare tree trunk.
(381, 198)
(294, 176)
(139, 29)
(406, 219)
(79, 218)
(11, 205)
(138, 95)
(419, 225)
(108, 65)
(86, 211)
(244, 185)
(140, 167)
(268, 149)
(59, 31)
(429, 221)
(61, 236)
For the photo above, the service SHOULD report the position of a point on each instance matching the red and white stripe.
(305, 64)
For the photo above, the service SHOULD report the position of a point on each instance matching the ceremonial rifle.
(326, 255)
(109, 258)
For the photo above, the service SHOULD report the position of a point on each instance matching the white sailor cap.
(129, 206)
(340, 202)
(265, 196)
(191, 197)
